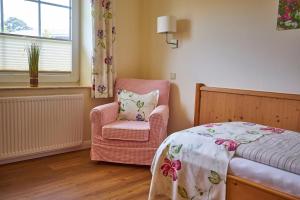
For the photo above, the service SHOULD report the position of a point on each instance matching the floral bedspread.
(192, 164)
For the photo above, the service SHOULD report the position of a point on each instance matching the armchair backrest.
(141, 86)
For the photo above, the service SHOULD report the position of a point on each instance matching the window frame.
(51, 77)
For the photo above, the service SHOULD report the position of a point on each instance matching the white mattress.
(266, 175)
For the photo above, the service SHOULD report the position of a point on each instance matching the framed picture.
(288, 15)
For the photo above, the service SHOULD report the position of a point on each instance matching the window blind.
(55, 56)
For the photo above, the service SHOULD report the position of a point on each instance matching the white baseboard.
(85, 145)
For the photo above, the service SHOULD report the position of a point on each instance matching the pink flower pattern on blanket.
(177, 160)
(170, 168)
(273, 130)
(212, 125)
(230, 145)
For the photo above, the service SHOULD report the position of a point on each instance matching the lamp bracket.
(172, 42)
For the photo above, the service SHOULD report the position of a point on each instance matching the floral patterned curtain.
(103, 72)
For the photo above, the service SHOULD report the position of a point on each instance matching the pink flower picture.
(288, 14)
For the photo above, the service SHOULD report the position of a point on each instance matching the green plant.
(33, 54)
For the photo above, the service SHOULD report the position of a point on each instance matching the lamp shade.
(166, 24)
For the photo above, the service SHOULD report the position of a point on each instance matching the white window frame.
(54, 77)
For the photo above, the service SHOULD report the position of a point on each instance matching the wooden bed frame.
(272, 109)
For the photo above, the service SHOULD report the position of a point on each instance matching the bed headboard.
(221, 104)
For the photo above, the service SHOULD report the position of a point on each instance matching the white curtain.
(103, 72)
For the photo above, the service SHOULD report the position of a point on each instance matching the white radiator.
(37, 124)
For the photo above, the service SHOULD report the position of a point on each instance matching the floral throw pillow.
(137, 107)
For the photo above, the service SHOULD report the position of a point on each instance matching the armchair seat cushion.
(126, 131)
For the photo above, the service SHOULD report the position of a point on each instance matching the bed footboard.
(242, 189)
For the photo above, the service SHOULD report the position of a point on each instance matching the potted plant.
(33, 54)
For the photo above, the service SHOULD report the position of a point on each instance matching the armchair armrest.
(158, 121)
(159, 116)
(104, 114)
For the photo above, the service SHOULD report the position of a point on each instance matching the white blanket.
(192, 164)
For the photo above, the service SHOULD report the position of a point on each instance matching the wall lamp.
(167, 24)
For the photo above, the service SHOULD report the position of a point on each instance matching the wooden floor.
(73, 176)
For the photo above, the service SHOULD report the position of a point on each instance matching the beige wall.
(223, 43)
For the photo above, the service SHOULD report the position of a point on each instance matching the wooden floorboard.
(73, 176)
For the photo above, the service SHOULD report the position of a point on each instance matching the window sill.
(42, 87)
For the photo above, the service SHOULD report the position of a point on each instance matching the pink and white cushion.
(136, 107)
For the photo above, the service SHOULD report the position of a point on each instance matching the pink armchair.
(130, 142)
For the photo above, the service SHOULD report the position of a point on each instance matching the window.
(51, 23)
